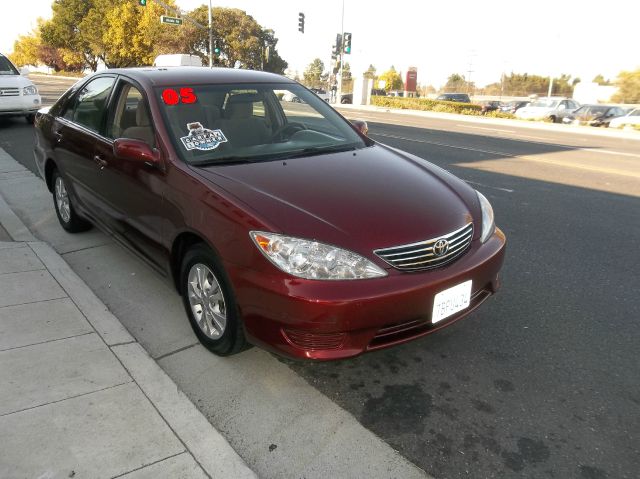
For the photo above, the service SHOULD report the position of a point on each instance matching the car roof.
(164, 76)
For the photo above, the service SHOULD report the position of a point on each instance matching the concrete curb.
(210, 449)
(558, 128)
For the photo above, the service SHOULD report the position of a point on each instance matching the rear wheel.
(65, 211)
(552, 119)
(210, 303)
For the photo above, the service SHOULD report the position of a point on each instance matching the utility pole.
(210, 37)
(550, 86)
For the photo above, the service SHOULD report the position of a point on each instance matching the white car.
(552, 108)
(18, 95)
(631, 118)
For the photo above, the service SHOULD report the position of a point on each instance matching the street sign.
(170, 20)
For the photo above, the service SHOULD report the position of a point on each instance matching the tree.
(599, 79)
(26, 49)
(274, 63)
(457, 83)
(314, 73)
(65, 30)
(371, 72)
(628, 84)
(392, 79)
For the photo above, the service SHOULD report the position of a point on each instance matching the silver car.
(551, 108)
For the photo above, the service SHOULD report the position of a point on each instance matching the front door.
(132, 190)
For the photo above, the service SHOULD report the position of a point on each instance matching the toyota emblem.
(441, 247)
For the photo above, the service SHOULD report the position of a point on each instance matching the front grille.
(9, 91)
(421, 255)
(314, 341)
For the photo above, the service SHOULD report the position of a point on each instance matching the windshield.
(6, 67)
(544, 104)
(211, 124)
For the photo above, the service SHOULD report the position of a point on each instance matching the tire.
(30, 118)
(203, 280)
(552, 119)
(65, 211)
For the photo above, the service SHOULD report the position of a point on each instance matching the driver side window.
(131, 117)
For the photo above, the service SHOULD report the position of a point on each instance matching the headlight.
(488, 224)
(29, 90)
(312, 260)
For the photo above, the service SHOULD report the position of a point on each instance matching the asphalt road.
(544, 379)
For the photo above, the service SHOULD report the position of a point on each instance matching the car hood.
(14, 81)
(370, 198)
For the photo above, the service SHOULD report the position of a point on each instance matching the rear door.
(76, 133)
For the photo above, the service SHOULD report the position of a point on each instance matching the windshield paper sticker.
(201, 138)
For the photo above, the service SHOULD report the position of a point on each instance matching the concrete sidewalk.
(80, 397)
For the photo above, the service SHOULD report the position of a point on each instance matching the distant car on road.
(283, 227)
(594, 115)
(321, 93)
(491, 105)
(632, 119)
(553, 109)
(513, 106)
(18, 95)
(459, 97)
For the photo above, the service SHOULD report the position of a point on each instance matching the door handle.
(101, 163)
(58, 136)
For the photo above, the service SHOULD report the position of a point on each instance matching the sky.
(580, 37)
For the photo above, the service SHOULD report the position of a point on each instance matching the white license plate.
(450, 301)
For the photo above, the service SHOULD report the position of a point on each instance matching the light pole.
(341, 57)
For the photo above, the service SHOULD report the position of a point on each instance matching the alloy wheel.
(62, 200)
(207, 301)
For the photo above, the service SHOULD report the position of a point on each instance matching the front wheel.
(65, 211)
(210, 303)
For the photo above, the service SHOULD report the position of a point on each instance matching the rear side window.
(88, 107)
(6, 67)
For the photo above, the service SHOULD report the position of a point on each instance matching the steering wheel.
(289, 126)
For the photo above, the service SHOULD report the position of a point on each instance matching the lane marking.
(485, 128)
(565, 164)
(610, 152)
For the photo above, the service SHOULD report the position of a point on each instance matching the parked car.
(552, 109)
(632, 119)
(18, 95)
(290, 230)
(346, 98)
(290, 96)
(513, 106)
(490, 105)
(378, 92)
(459, 97)
(321, 93)
(594, 115)
(395, 93)
(177, 60)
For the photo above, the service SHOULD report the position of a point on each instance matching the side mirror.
(135, 150)
(24, 71)
(361, 126)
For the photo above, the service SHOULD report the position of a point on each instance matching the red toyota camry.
(279, 222)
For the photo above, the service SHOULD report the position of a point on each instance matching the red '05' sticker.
(183, 95)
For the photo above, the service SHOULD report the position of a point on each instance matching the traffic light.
(216, 46)
(338, 42)
(301, 22)
(347, 43)
(142, 3)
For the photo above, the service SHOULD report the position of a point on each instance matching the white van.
(177, 60)
(18, 95)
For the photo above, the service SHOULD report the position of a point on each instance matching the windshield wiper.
(223, 160)
(317, 150)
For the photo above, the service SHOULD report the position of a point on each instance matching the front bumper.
(20, 105)
(326, 320)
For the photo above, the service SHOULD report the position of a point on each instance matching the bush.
(425, 104)
(500, 114)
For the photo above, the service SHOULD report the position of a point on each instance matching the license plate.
(450, 301)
